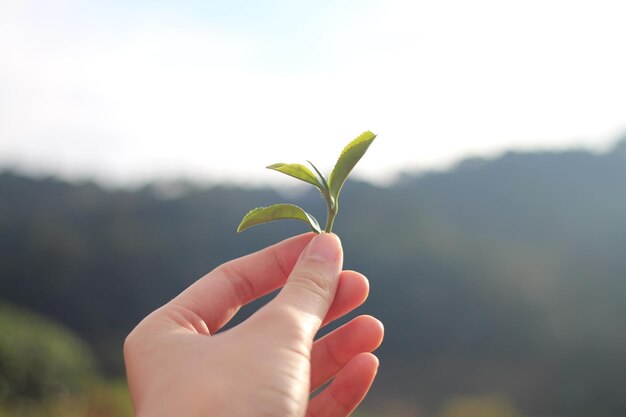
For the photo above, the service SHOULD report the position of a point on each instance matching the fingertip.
(357, 283)
(351, 383)
(373, 359)
(358, 278)
(334, 235)
(366, 364)
(352, 291)
(375, 322)
(373, 327)
(325, 247)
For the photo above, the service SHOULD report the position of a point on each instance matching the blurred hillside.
(501, 283)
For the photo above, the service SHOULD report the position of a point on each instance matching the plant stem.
(331, 212)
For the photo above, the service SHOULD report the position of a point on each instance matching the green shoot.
(330, 188)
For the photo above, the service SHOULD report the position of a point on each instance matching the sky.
(127, 92)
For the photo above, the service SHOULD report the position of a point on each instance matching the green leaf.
(298, 171)
(324, 183)
(322, 179)
(349, 157)
(262, 215)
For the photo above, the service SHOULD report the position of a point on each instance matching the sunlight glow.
(130, 93)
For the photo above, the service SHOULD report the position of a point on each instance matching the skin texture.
(178, 363)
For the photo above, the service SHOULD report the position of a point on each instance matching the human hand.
(268, 365)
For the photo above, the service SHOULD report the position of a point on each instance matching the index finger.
(217, 296)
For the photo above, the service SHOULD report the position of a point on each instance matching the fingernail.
(325, 247)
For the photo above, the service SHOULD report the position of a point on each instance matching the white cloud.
(170, 95)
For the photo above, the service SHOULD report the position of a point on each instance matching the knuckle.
(313, 281)
(331, 355)
(292, 328)
(242, 286)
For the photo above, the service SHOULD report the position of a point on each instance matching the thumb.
(311, 286)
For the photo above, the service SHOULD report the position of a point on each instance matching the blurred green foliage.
(500, 282)
(46, 370)
(39, 359)
(479, 406)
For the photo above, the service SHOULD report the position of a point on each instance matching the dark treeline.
(502, 278)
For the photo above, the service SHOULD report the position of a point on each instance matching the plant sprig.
(329, 189)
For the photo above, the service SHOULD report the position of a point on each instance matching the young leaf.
(321, 177)
(298, 171)
(349, 157)
(324, 183)
(262, 215)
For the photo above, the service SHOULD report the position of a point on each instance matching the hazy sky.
(131, 90)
